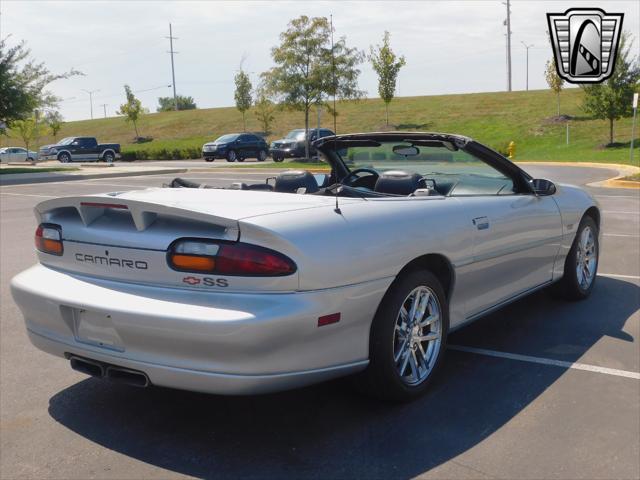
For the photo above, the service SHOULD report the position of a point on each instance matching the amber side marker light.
(49, 239)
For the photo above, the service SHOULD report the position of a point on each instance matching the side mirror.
(543, 187)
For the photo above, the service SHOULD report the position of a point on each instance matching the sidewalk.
(85, 172)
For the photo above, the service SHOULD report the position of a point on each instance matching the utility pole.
(507, 22)
(527, 47)
(104, 107)
(91, 92)
(173, 71)
(333, 73)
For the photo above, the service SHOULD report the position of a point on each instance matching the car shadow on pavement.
(329, 430)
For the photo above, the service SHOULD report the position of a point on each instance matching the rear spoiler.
(143, 214)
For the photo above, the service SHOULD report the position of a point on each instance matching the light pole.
(91, 92)
(527, 47)
(104, 108)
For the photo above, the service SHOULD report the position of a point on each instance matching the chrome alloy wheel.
(586, 258)
(417, 336)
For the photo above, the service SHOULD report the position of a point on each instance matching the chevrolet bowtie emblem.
(191, 280)
(585, 43)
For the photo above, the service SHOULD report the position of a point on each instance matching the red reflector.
(104, 205)
(328, 319)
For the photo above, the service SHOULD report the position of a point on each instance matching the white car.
(271, 286)
(17, 154)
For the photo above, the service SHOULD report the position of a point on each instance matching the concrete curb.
(27, 178)
(613, 182)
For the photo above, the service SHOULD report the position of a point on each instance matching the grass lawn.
(492, 118)
(10, 170)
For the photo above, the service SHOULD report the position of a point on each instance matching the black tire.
(262, 155)
(570, 286)
(241, 159)
(210, 159)
(381, 378)
(29, 159)
(278, 158)
(109, 157)
(231, 156)
(64, 157)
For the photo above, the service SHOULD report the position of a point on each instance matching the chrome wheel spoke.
(430, 336)
(413, 361)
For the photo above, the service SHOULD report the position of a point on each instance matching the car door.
(19, 155)
(516, 238)
(247, 146)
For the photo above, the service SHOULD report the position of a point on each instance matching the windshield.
(66, 141)
(295, 135)
(226, 138)
(451, 171)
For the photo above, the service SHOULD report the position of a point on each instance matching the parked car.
(293, 145)
(236, 146)
(80, 149)
(272, 286)
(17, 154)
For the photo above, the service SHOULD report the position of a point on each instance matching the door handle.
(481, 223)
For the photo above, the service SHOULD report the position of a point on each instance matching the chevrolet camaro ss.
(306, 277)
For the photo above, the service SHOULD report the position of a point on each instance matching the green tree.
(612, 98)
(242, 94)
(54, 121)
(387, 65)
(264, 110)
(555, 82)
(23, 83)
(132, 110)
(27, 129)
(166, 104)
(307, 71)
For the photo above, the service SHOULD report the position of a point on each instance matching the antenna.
(333, 75)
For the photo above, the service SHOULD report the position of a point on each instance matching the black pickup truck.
(80, 149)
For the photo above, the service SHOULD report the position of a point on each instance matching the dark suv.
(236, 146)
(293, 144)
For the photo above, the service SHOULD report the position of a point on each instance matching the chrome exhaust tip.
(127, 376)
(87, 367)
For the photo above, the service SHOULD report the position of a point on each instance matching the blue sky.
(450, 46)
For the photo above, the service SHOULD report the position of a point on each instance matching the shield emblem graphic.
(585, 43)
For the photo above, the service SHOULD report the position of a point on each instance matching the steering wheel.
(353, 179)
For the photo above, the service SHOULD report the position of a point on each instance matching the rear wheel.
(208, 159)
(581, 265)
(262, 155)
(408, 338)
(231, 156)
(109, 157)
(64, 157)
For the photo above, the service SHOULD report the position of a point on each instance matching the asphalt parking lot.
(539, 389)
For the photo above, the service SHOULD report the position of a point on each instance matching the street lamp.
(91, 92)
(527, 47)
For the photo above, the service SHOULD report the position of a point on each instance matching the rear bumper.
(224, 343)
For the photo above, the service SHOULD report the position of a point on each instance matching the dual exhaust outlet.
(97, 369)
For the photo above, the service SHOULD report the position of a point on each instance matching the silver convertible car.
(265, 287)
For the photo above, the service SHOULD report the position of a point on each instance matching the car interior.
(388, 169)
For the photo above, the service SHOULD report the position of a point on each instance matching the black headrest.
(398, 182)
(291, 180)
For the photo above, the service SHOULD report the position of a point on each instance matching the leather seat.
(292, 180)
(399, 182)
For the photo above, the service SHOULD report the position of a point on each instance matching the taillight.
(49, 239)
(240, 259)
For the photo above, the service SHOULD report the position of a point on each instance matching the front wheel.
(278, 158)
(208, 159)
(30, 159)
(262, 155)
(231, 156)
(408, 338)
(64, 157)
(581, 265)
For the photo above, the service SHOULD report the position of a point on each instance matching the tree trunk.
(610, 131)
(558, 99)
(386, 106)
(306, 132)
(135, 127)
(244, 122)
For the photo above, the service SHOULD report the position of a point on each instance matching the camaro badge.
(585, 43)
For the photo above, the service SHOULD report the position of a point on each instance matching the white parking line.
(547, 361)
(618, 196)
(619, 212)
(619, 235)
(26, 195)
(615, 275)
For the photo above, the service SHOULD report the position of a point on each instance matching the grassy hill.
(491, 118)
